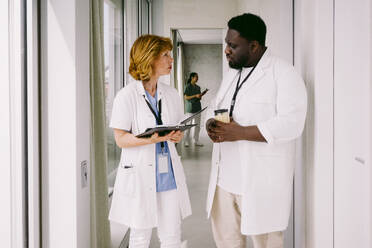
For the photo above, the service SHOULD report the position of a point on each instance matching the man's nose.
(227, 50)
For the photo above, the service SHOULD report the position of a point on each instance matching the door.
(352, 130)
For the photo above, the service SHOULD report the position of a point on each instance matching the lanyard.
(157, 117)
(238, 86)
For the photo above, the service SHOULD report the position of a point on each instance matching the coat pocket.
(126, 180)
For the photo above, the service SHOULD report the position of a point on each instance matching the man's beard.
(238, 63)
(236, 66)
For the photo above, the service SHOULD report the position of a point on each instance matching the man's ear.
(254, 45)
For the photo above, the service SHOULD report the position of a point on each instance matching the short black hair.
(250, 27)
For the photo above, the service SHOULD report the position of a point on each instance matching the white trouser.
(195, 120)
(169, 224)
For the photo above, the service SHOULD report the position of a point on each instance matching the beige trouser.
(226, 216)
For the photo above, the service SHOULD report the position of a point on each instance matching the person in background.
(253, 161)
(193, 96)
(150, 188)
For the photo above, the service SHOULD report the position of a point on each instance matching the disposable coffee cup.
(222, 115)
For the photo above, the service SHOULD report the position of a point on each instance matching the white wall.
(196, 14)
(333, 52)
(16, 120)
(277, 14)
(65, 124)
(206, 60)
(5, 189)
(314, 59)
(352, 126)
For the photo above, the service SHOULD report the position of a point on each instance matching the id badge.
(163, 163)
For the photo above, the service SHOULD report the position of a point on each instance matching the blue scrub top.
(164, 181)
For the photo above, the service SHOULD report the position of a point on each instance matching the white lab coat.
(273, 98)
(134, 199)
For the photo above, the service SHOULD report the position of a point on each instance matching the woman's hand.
(155, 138)
(176, 137)
(172, 136)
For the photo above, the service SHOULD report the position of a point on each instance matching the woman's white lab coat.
(274, 99)
(134, 199)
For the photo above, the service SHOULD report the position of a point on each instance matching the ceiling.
(201, 36)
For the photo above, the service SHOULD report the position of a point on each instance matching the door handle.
(360, 160)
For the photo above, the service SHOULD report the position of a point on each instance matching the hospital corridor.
(186, 123)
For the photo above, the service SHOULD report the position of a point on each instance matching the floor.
(196, 228)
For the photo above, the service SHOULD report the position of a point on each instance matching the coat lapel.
(164, 104)
(259, 71)
(232, 75)
(141, 89)
(160, 92)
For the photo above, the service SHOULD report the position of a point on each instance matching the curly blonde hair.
(145, 50)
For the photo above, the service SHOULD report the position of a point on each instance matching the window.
(144, 11)
(114, 71)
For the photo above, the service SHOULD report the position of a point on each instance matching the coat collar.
(161, 89)
(141, 90)
(233, 74)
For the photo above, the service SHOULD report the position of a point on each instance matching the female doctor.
(150, 188)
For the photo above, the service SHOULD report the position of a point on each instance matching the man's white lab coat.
(273, 98)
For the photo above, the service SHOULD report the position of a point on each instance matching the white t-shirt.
(230, 172)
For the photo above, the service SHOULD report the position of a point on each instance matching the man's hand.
(220, 132)
(209, 126)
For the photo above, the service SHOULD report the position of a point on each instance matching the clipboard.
(205, 91)
(164, 130)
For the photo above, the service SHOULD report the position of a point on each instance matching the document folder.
(165, 129)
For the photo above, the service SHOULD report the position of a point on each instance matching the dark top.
(192, 105)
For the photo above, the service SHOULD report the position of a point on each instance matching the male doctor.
(253, 161)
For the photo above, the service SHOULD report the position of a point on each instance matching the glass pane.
(113, 45)
(145, 17)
